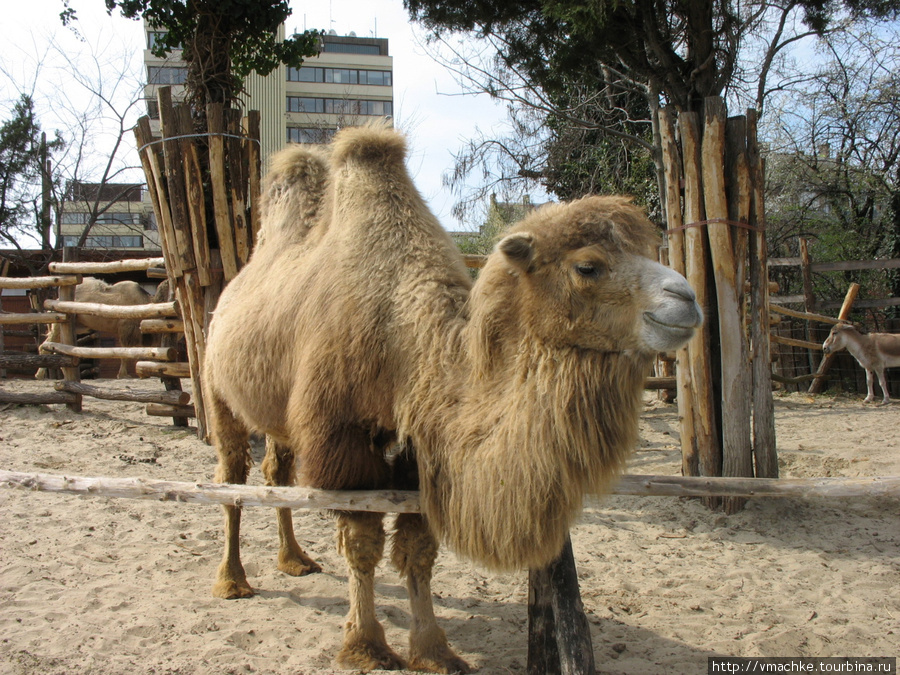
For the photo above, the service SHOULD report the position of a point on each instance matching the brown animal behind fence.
(127, 331)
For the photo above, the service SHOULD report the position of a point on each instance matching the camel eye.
(589, 270)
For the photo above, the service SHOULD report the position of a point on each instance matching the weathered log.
(252, 153)
(397, 501)
(26, 361)
(661, 383)
(237, 169)
(808, 316)
(685, 396)
(793, 342)
(173, 411)
(157, 273)
(152, 163)
(737, 451)
(180, 221)
(38, 282)
(137, 265)
(221, 208)
(559, 635)
(709, 453)
(162, 326)
(158, 353)
(764, 440)
(67, 333)
(151, 310)
(32, 318)
(154, 369)
(142, 396)
(43, 398)
(193, 188)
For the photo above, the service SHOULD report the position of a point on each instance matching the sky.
(427, 101)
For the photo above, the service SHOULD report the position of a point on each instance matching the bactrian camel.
(355, 326)
(128, 331)
(873, 351)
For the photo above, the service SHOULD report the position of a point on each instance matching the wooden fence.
(66, 353)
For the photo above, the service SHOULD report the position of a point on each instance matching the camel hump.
(293, 190)
(375, 143)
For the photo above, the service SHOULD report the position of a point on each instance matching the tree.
(23, 156)
(674, 53)
(222, 41)
(834, 162)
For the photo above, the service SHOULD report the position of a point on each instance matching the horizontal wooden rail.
(154, 369)
(793, 342)
(165, 410)
(153, 310)
(162, 326)
(838, 266)
(42, 398)
(25, 361)
(158, 353)
(809, 316)
(38, 282)
(400, 501)
(137, 265)
(139, 396)
(32, 318)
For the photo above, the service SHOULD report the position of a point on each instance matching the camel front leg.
(361, 540)
(278, 469)
(413, 553)
(230, 437)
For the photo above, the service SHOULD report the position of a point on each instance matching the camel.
(374, 362)
(874, 352)
(128, 331)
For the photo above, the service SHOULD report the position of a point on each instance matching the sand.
(101, 586)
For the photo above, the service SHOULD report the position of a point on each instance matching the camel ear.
(518, 249)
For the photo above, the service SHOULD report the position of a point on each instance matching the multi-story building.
(350, 81)
(119, 215)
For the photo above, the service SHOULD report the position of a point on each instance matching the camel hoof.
(365, 656)
(231, 590)
(445, 663)
(297, 567)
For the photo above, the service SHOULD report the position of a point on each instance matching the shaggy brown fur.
(127, 330)
(515, 398)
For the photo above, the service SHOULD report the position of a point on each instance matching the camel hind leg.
(231, 438)
(278, 469)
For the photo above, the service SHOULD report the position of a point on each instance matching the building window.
(166, 75)
(305, 105)
(309, 135)
(106, 241)
(339, 106)
(74, 218)
(381, 78)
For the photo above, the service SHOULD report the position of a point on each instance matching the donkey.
(875, 352)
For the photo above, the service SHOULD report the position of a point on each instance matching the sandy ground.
(107, 586)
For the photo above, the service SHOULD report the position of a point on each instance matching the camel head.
(578, 275)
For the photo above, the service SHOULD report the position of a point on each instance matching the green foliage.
(222, 40)
(20, 169)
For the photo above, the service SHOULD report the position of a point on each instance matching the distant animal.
(128, 331)
(355, 326)
(873, 351)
